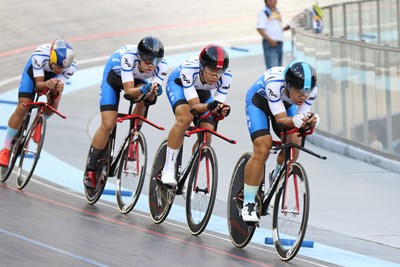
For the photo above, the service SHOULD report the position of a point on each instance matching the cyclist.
(283, 96)
(138, 70)
(49, 67)
(189, 93)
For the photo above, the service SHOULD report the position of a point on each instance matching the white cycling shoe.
(168, 178)
(249, 213)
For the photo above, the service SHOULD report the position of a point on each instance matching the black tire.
(240, 232)
(15, 151)
(201, 190)
(289, 223)
(131, 173)
(30, 152)
(101, 173)
(161, 198)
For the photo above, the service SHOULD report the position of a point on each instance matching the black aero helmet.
(151, 49)
(301, 75)
(215, 57)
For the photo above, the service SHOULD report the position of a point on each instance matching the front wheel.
(201, 190)
(291, 210)
(161, 197)
(239, 231)
(30, 151)
(131, 172)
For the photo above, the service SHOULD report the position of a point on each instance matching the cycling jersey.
(184, 84)
(38, 66)
(122, 67)
(266, 98)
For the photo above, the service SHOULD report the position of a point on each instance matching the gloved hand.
(212, 105)
(145, 89)
(298, 120)
(159, 90)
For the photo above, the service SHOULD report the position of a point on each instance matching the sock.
(10, 134)
(93, 157)
(250, 192)
(170, 160)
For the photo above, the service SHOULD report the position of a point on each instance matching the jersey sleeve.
(67, 73)
(306, 106)
(127, 65)
(38, 61)
(160, 72)
(222, 91)
(273, 93)
(261, 20)
(187, 76)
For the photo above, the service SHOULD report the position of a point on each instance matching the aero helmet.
(215, 57)
(301, 75)
(151, 49)
(61, 53)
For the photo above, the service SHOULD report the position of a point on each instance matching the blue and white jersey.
(40, 64)
(125, 63)
(271, 86)
(189, 72)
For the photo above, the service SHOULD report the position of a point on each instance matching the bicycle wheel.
(290, 215)
(30, 151)
(201, 190)
(160, 197)
(101, 173)
(240, 232)
(15, 151)
(131, 173)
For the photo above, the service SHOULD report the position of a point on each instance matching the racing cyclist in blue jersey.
(137, 70)
(49, 67)
(189, 92)
(282, 96)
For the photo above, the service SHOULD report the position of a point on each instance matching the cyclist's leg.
(258, 123)
(25, 95)
(109, 110)
(183, 118)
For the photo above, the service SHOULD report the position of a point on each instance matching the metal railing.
(358, 81)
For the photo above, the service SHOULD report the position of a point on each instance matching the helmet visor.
(150, 59)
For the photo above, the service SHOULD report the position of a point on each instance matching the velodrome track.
(352, 220)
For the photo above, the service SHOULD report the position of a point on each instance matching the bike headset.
(215, 57)
(61, 53)
(150, 49)
(301, 75)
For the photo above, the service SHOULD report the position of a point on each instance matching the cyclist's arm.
(42, 85)
(196, 107)
(131, 89)
(283, 119)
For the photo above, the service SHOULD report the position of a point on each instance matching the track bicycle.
(202, 171)
(288, 193)
(129, 163)
(27, 144)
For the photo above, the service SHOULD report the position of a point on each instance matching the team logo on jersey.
(126, 62)
(164, 73)
(36, 63)
(226, 87)
(185, 78)
(271, 93)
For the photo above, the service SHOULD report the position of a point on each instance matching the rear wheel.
(201, 190)
(291, 210)
(160, 196)
(101, 174)
(239, 231)
(131, 173)
(30, 151)
(15, 151)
